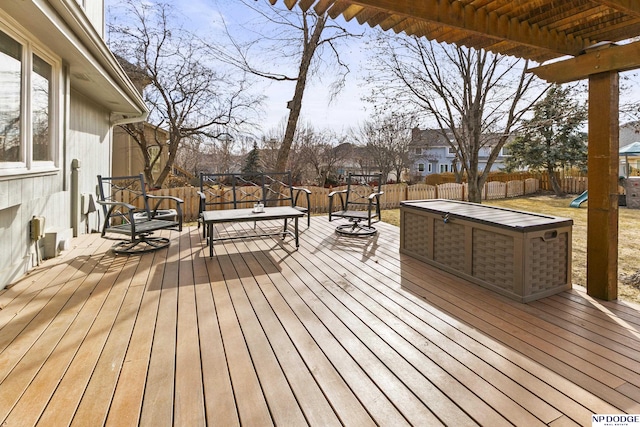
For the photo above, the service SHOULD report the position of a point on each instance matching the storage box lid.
(500, 217)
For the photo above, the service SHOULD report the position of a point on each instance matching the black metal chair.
(359, 203)
(128, 211)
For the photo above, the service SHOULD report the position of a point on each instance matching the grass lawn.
(628, 240)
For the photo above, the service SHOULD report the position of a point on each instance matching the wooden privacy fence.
(393, 194)
(570, 181)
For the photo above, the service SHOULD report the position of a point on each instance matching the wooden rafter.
(479, 21)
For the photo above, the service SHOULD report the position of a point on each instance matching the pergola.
(584, 39)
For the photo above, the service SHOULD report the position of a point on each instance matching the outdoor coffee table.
(209, 218)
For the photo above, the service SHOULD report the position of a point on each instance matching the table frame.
(210, 218)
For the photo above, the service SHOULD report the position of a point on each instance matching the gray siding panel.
(88, 140)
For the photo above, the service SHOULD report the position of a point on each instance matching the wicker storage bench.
(521, 255)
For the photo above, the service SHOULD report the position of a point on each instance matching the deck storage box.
(522, 255)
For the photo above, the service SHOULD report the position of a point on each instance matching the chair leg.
(356, 229)
(140, 245)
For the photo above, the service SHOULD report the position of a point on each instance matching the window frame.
(30, 48)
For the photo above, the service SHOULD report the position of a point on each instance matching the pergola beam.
(630, 7)
(612, 58)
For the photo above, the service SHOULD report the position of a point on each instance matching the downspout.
(75, 196)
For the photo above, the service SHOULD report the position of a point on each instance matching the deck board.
(342, 331)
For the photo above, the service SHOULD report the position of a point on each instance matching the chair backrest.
(128, 189)
(219, 190)
(235, 190)
(359, 188)
(277, 187)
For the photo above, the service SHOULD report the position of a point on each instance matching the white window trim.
(29, 48)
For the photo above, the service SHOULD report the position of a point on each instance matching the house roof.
(63, 27)
(632, 149)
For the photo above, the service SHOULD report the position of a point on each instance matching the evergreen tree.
(252, 166)
(552, 139)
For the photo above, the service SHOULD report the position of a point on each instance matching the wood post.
(602, 229)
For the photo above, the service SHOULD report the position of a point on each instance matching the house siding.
(435, 151)
(92, 92)
(49, 195)
(90, 143)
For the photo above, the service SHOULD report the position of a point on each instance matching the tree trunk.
(474, 187)
(555, 185)
(295, 104)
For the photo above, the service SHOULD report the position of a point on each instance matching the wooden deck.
(343, 331)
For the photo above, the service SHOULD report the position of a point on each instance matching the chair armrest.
(333, 193)
(176, 199)
(372, 195)
(299, 191)
(115, 204)
(203, 202)
(159, 199)
(339, 193)
(306, 190)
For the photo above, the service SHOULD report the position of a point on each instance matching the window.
(506, 151)
(10, 93)
(420, 167)
(41, 109)
(27, 110)
(452, 150)
(418, 151)
(444, 168)
(429, 168)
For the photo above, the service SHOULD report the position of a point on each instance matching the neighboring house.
(430, 152)
(357, 161)
(61, 93)
(629, 133)
(127, 156)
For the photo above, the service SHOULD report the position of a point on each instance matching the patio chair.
(359, 203)
(129, 210)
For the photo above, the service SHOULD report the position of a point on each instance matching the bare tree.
(187, 94)
(324, 152)
(469, 94)
(271, 143)
(304, 42)
(386, 137)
